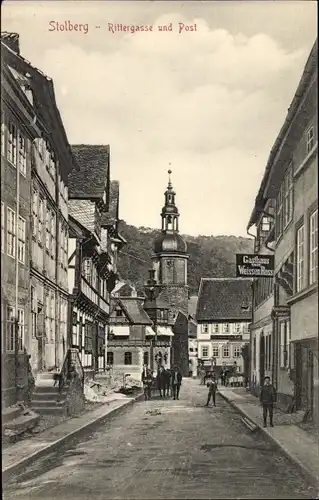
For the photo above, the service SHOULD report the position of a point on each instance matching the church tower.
(170, 264)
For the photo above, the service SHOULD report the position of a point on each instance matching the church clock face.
(169, 264)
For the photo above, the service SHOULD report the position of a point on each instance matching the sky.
(207, 104)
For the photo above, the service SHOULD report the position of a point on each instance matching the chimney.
(11, 40)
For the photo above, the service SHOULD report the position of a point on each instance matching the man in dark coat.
(212, 389)
(268, 396)
(176, 377)
(161, 381)
(147, 380)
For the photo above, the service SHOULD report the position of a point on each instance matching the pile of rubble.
(109, 388)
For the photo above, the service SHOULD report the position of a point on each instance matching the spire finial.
(169, 178)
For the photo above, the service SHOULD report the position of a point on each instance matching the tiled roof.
(224, 299)
(92, 179)
(112, 215)
(134, 308)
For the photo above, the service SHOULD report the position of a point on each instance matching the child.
(212, 389)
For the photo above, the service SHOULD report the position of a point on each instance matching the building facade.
(36, 158)
(290, 184)
(130, 334)
(92, 254)
(223, 317)
(170, 265)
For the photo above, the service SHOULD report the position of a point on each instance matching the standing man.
(268, 396)
(147, 380)
(176, 382)
(161, 379)
(212, 389)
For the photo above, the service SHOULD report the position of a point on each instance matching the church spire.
(169, 212)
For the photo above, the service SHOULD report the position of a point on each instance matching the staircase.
(47, 399)
(54, 395)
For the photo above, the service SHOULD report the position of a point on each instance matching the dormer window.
(118, 312)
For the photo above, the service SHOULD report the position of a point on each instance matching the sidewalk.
(21, 454)
(300, 446)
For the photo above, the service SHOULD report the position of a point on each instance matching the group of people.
(167, 381)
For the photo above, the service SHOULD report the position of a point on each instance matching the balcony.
(104, 306)
(89, 291)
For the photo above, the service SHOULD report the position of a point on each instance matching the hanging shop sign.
(254, 265)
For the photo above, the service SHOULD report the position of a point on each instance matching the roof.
(92, 179)
(111, 216)
(310, 67)
(44, 103)
(222, 299)
(134, 308)
(169, 242)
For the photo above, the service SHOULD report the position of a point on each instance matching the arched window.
(110, 358)
(127, 358)
(146, 358)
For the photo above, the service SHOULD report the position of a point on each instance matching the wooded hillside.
(210, 256)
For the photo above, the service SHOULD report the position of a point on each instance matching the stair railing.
(64, 375)
(76, 365)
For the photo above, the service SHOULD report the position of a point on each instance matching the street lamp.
(152, 291)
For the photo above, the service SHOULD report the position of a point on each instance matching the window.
(40, 220)
(215, 328)
(205, 351)
(246, 327)
(284, 343)
(12, 144)
(313, 248)
(33, 311)
(310, 139)
(127, 358)
(215, 351)
(50, 316)
(265, 224)
(3, 134)
(2, 227)
(237, 351)
(11, 232)
(22, 161)
(300, 258)
(110, 358)
(204, 328)
(34, 213)
(48, 230)
(87, 269)
(237, 328)
(226, 327)
(21, 240)
(51, 165)
(288, 197)
(226, 351)
(146, 358)
(65, 247)
(21, 327)
(52, 234)
(279, 213)
(10, 329)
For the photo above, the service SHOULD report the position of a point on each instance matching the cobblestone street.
(180, 450)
